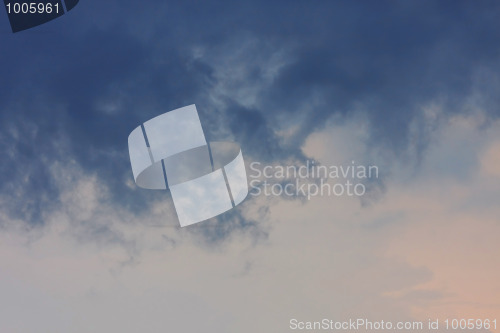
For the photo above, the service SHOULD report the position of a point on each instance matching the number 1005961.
(471, 324)
(32, 8)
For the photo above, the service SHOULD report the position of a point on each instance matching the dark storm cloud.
(93, 75)
(391, 59)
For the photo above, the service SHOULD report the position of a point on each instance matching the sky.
(410, 86)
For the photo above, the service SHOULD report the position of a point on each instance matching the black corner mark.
(70, 4)
(26, 14)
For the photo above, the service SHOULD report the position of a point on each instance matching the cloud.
(410, 87)
(439, 215)
(407, 256)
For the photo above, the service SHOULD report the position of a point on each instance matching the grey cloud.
(93, 80)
